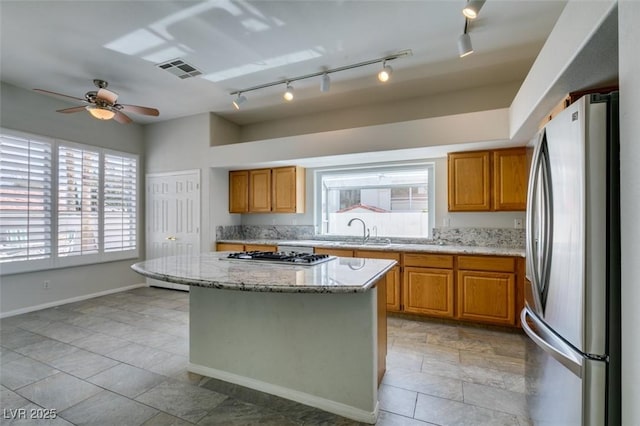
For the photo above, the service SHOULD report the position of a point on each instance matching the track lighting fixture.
(239, 101)
(325, 83)
(464, 41)
(385, 74)
(288, 94)
(472, 8)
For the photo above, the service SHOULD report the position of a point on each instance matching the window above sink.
(394, 200)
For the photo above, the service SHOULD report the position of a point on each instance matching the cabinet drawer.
(428, 260)
(487, 263)
(260, 247)
(334, 251)
(372, 254)
(229, 247)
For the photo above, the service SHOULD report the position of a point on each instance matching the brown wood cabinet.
(486, 288)
(334, 251)
(244, 247)
(288, 189)
(428, 291)
(510, 178)
(392, 278)
(239, 191)
(469, 181)
(260, 247)
(229, 247)
(488, 180)
(260, 191)
(277, 190)
(428, 284)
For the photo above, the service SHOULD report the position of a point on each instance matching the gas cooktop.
(281, 257)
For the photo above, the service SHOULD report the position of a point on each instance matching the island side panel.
(317, 349)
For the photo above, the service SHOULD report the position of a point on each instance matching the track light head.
(239, 101)
(472, 8)
(385, 73)
(325, 83)
(464, 45)
(288, 94)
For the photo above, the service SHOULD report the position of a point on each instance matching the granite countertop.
(400, 247)
(214, 270)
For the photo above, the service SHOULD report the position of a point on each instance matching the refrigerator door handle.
(553, 345)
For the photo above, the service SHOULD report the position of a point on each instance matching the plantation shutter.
(25, 199)
(120, 213)
(78, 201)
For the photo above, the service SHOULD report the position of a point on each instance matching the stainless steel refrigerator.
(572, 291)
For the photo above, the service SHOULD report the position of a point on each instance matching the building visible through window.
(393, 201)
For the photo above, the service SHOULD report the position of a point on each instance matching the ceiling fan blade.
(121, 118)
(107, 95)
(47, 92)
(140, 110)
(72, 109)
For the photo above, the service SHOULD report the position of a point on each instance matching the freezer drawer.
(563, 386)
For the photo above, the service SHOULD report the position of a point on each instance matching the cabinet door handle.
(171, 238)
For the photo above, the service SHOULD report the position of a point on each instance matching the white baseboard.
(71, 300)
(291, 394)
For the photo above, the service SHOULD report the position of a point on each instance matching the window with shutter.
(120, 213)
(78, 201)
(25, 198)
(64, 204)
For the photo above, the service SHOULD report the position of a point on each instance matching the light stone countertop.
(399, 247)
(214, 270)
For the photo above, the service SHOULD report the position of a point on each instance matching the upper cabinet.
(488, 180)
(239, 191)
(510, 179)
(260, 191)
(277, 190)
(288, 188)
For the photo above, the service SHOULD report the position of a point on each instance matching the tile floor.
(121, 360)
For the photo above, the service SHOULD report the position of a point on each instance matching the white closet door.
(172, 217)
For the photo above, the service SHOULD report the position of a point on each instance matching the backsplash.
(484, 237)
(265, 232)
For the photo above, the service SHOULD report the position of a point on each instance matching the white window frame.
(55, 261)
(383, 167)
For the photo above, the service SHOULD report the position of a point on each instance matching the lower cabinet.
(392, 278)
(486, 287)
(428, 291)
(244, 247)
(487, 297)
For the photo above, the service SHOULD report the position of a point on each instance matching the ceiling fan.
(101, 104)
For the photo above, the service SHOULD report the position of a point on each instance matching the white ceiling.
(62, 46)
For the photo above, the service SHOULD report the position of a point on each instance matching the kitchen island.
(312, 334)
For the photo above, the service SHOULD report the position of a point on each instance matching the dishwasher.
(287, 248)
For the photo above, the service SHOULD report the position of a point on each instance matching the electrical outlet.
(518, 224)
(45, 284)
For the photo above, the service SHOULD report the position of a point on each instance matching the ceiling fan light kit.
(102, 104)
(325, 83)
(101, 113)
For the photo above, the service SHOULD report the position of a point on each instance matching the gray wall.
(184, 144)
(28, 111)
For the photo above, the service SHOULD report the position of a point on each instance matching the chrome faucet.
(365, 230)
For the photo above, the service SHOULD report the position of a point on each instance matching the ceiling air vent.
(179, 68)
